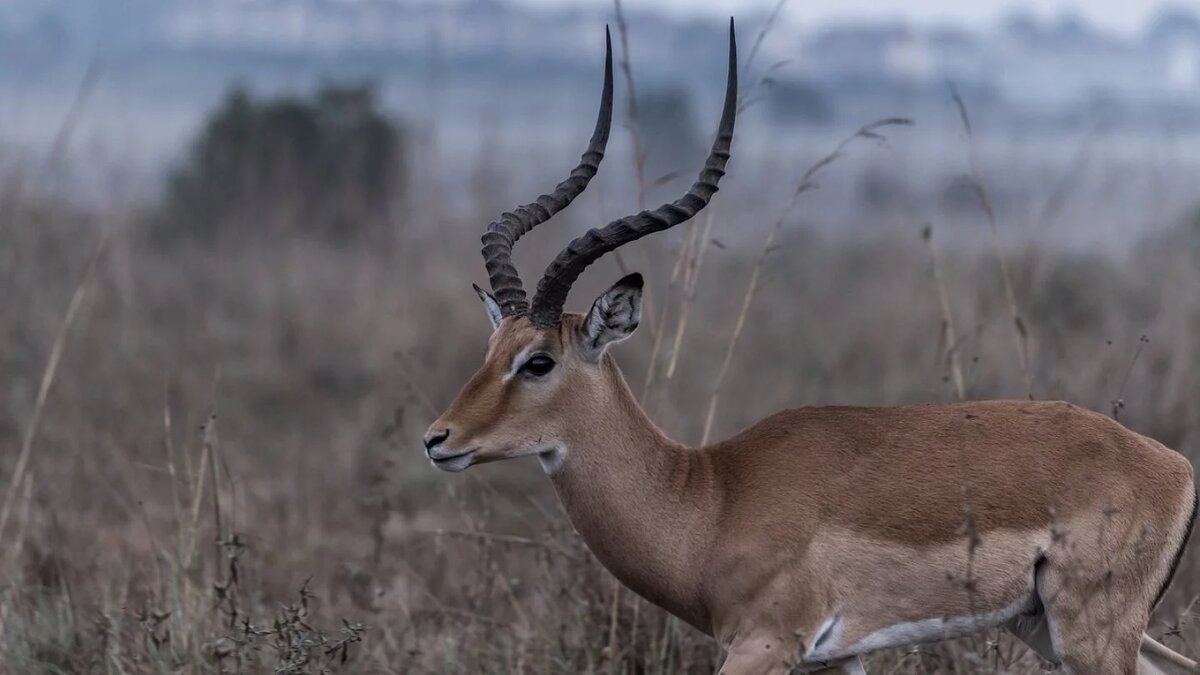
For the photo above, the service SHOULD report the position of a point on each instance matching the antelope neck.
(646, 505)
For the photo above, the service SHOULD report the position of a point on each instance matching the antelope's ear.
(613, 317)
(492, 307)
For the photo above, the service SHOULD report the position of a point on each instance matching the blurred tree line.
(330, 164)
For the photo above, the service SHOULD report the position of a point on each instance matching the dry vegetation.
(210, 454)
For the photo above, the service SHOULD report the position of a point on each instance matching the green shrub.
(330, 164)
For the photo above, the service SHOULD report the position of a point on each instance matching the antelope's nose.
(434, 437)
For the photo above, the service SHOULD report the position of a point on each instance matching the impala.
(821, 533)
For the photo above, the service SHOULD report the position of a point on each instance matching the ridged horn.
(566, 267)
(500, 236)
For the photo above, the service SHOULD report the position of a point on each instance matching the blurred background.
(236, 245)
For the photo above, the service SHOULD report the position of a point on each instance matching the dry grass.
(309, 535)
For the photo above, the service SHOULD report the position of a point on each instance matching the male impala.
(820, 534)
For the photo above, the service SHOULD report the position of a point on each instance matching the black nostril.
(436, 438)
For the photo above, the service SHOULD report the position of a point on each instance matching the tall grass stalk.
(692, 276)
(1021, 332)
(808, 181)
(62, 137)
(635, 140)
(47, 381)
(949, 336)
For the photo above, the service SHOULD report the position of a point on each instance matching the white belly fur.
(889, 595)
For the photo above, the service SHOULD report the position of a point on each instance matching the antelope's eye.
(538, 365)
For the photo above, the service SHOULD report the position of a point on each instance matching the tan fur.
(874, 520)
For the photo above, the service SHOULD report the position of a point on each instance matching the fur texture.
(909, 523)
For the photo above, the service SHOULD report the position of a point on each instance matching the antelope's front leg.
(769, 656)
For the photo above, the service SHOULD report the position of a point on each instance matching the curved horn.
(500, 236)
(569, 264)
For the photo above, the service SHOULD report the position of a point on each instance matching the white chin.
(454, 464)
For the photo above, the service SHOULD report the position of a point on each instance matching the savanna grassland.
(211, 398)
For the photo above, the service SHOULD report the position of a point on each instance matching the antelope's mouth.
(453, 463)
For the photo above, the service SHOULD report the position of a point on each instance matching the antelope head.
(843, 524)
(547, 371)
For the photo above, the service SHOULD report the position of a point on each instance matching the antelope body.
(821, 534)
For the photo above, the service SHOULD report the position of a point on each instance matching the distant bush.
(331, 164)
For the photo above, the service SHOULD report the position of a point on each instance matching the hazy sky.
(1118, 16)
